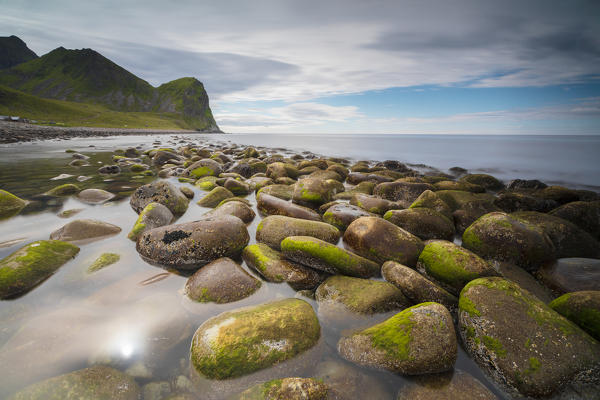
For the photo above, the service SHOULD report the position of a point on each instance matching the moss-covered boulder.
(415, 286)
(207, 183)
(272, 205)
(25, 268)
(284, 192)
(374, 204)
(273, 229)
(379, 240)
(312, 192)
(560, 194)
(567, 275)
(236, 208)
(191, 244)
(524, 279)
(452, 265)
(499, 236)
(214, 197)
(361, 188)
(221, 281)
(237, 187)
(347, 381)
(286, 388)
(161, 192)
(569, 240)
(584, 214)
(431, 200)
(404, 191)
(582, 308)
(104, 260)
(458, 199)
(152, 216)
(418, 340)
(455, 385)
(516, 201)
(487, 181)
(459, 185)
(424, 223)
(259, 182)
(363, 296)
(342, 215)
(95, 196)
(327, 257)
(202, 168)
(272, 266)
(246, 340)
(84, 230)
(97, 382)
(520, 342)
(187, 192)
(10, 204)
(66, 189)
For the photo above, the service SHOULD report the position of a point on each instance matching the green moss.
(465, 304)
(534, 365)
(104, 260)
(364, 296)
(313, 197)
(201, 172)
(206, 183)
(137, 168)
(10, 204)
(576, 307)
(494, 345)
(140, 226)
(261, 255)
(471, 239)
(64, 190)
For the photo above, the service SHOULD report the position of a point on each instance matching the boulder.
(452, 265)
(272, 266)
(520, 184)
(361, 188)
(161, 192)
(162, 157)
(524, 279)
(487, 181)
(405, 191)
(584, 214)
(237, 187)
(379, 240)
(342, 215)
(95, 196)
(458, 199)
(10, 204)
(458, 185)
(239, 342)
(31, 264)
(63, 190)
(236, 208)
(152, 216)
(418, 340)
(521, 343)
(207, 183)
(109, 169)
(272, 205)
(374, 204)
(221, 281)
(187, 192)
(312, 192)
(455, 385)
(286, 388)
(571, 275)
(415, 286)
(347, 382)
(273, 229)
(202, 168)
(327, 257)
(284, 192)
(561, 195)
(424, 223)
(515, 201)
(582, 308)
(84, 229)
(431, 200)
(191, 244)
(214, 197)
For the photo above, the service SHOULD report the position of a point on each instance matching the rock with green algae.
(582, 308)
(10, 204)
(286, 388)
(202, 168)
(455, 385)
(186, 246)
(374, 204)
(272, 266)
(206, 183)
(284, 192)
(236, 208)
(152, 216)
(431, 200)
(457, 199)
(214, 197)
(452, 265)
(584, 214)
(525, 347)
(272, 205)
(104, 260)
(97, 382)
(361, 188)
(84, 230)
(459, 185)
(415, 286)
(242, 341)
(487, 181)
(401, 191)
(499, 236)
(418, 340)
(422, 222)
(221, 281)
(363, 296)
(31, 264)
(66, 189)
(237, 187)
(312, 192)
(380, 240)
(274, 228)
(327, 257)
(161, 192)
(187, 192)
(94, 196)
(342, 215)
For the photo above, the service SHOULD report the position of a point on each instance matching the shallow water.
(133, 313)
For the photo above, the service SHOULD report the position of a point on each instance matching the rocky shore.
(430, 263)
(14, 132)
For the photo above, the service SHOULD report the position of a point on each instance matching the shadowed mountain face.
(87, 76)
(14, 51)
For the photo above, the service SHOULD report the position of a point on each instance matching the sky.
(344, 66)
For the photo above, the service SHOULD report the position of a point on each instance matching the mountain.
(86, 76)
(14, 51)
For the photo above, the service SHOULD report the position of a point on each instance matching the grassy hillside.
(188, 97)
(68, 113)
(14, 51)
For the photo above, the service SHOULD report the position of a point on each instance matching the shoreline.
(16, 132)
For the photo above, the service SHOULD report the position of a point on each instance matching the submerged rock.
(63, 190)
(191, 244)
(286, 388)
(159, 192)
(273, 229)
(571, 275)
(84, 229)
(31, 264)
(425, 223)
(94, 196)
(246, 340)
(221, 281)
(152, 216)
(455, 385)
(347, 382)
(418, 340)
(97, 382)
(522, 343)
(10, 204)
(104, 260)
(582, 308)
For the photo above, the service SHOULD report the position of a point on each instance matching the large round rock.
(152, 216)
(246, 340)
(583, 308)
(84, 230)
(159, 192)
(522, 343)
(273, 229)
(191, 244)
(272, 205)
(405, 191)
(425, 223)
(418, 340)
(379, 240)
